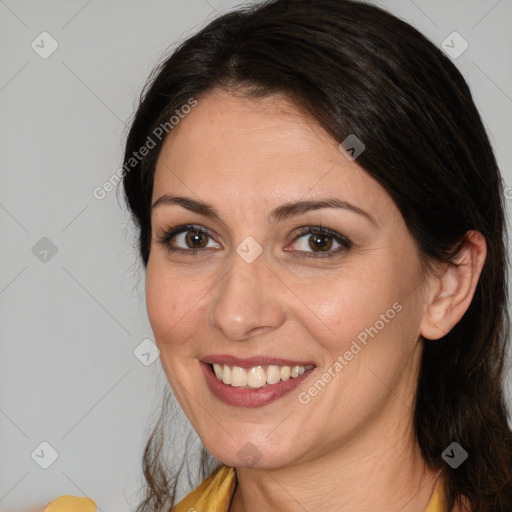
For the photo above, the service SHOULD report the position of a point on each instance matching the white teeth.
(238, 376)
(218, 371)
(226, 375)
(273, 374)
(285, 372)
(257, 377)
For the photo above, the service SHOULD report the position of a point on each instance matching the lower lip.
(250, 397)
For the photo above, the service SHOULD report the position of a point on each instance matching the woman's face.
(254, 283)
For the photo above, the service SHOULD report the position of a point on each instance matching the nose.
(248, 301)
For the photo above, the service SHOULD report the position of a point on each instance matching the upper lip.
(250, 362)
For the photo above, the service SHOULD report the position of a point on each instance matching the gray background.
(71, 321)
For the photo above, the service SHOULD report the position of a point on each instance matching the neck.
(381, 469)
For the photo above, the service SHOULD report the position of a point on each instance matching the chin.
(249, 453)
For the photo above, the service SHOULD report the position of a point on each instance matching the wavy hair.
(339, 62)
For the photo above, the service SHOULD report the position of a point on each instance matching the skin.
(352, 446)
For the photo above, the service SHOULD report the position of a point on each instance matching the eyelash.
(167, 235)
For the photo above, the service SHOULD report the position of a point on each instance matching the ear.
(453, 288)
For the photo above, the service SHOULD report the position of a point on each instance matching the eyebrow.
(280, 213)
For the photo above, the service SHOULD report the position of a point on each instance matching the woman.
(321, 221)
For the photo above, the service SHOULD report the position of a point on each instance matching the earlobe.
(454, 288)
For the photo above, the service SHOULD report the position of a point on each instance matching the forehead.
(231, 148)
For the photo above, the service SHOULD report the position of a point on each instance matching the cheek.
(365, 305)
(345, 305)
(159, 303)
(170, 305)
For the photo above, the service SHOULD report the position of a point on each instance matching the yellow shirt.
(215, 492)
(71, 504)
(212, 495)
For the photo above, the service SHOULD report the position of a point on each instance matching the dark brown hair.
(339, 61)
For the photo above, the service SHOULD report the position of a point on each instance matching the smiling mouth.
(257, 376)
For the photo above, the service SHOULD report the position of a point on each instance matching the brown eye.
(186, 239)
(196, 239)
(320, 241)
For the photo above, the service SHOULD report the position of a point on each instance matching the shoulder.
(213, 494)
(71, 504)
